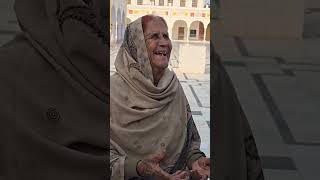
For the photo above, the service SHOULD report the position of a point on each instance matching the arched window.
(128, 1)
(140, 2)
(194, 3)
(182, 3)
(170, 2)
(161, 2)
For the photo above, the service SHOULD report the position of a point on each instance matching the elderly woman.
(152, 132)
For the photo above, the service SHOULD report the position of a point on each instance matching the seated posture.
(152, 132)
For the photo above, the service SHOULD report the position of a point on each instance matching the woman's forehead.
(156, 25)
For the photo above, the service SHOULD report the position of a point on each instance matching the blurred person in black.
(235, 155)
(53, 115)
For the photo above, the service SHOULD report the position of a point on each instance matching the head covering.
(235, 154)
(53, 95)
(145, 118)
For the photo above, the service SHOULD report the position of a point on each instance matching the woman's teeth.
(161, 53)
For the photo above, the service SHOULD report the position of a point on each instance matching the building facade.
(118, 13)
(188, 20)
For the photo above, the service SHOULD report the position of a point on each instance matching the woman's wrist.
(193, 157)
(138, 168)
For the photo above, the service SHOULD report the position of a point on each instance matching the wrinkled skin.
(150, 166)
(201, 168)
(158, 46)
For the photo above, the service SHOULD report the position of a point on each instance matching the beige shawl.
(144, 118)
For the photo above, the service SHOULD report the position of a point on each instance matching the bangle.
(137, 168)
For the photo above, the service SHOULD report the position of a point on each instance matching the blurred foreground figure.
(235, 155)
(53, 93)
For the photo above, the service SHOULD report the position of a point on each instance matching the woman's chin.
(163, 66)
(160, 63)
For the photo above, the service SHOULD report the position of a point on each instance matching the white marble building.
(118, 13)
(188, 20)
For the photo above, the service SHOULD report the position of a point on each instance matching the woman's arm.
(197, 161)
(124, 167)
(194, 153)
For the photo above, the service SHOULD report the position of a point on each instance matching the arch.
(139, 2)
(161, 2)
(196, 31)
(208, 33)
(179, 30)
(182, 3)
(195, 3)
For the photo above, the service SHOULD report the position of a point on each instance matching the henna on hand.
(201, 168)
(150, 166)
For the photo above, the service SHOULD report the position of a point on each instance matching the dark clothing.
(235, 156)
(53, 97)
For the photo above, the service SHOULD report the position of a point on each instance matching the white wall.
(118, 27)
(170, 19)
(175, 2)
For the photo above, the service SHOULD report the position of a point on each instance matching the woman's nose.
(164, 42)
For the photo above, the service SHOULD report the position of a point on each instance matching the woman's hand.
(201, 168)
(180, 175)
(150, 166)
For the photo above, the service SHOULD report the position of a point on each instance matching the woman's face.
(158, 44)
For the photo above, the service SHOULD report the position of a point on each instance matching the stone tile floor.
(282, 102)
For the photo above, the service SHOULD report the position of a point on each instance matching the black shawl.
(235, 156)
(53, 92)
